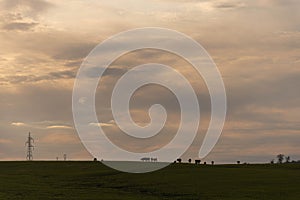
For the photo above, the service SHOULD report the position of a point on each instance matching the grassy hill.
(92, 180)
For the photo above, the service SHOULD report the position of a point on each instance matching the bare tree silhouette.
(287, 159)
(280, 158)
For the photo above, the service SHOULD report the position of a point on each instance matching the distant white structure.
(145, 159)
(148, 159)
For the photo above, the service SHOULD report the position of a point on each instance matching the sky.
(255, 44)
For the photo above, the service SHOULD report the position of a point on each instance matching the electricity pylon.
(30, 147)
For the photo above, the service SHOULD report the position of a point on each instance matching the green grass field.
(92, 180)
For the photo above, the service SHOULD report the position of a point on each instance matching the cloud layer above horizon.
(255, 44)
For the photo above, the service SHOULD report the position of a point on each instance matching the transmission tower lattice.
(30, 147)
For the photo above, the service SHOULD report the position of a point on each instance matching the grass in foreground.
(92, 180)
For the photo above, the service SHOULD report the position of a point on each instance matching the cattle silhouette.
(197, 162)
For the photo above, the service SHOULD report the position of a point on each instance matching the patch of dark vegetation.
(93, 180)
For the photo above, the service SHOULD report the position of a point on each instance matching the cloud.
(50, 47)
(5, 141)
(101, 124)
(18, 124)
(59, 138)
(94, 72)
(22, 15)
(33, 6)
(58, 127)
(43, 125)
(229, 5)
(73, 50)
(254, 43)
(51, 76)
(285, 3)
(22, 26)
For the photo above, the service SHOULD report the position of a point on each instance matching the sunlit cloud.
(255, 44)
(102, 124)
(18, 124)
(58, 127)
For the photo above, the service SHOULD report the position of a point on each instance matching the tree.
(287, 159)
(238, 162)
(190, 160)
(280, 158)
(272, 161)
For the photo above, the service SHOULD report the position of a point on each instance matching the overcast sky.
(255, 44)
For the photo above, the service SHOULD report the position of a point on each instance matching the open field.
(92, 180)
